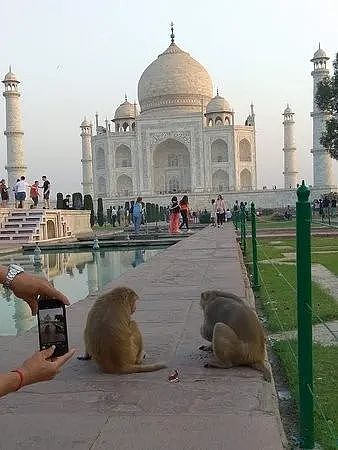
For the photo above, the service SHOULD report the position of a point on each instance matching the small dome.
(85, 123)
(288, 110)
(10, 76)
(218, 104)
(320, 54)
(125, 111)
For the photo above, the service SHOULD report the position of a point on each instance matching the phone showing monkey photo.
(52, 325)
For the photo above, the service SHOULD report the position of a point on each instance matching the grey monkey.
(234, 330)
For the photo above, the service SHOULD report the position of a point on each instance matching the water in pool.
(76, 274)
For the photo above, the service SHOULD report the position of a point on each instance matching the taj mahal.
(179, 138)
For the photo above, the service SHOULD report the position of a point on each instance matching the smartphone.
(52, 325)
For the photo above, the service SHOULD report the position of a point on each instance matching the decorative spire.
(217, 93)
(172, 36)
(125, 98)
(10, 68)
(318, 48)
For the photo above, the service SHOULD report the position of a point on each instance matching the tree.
(100, 218)
(77, 200)
(88, 205)
(327, 100)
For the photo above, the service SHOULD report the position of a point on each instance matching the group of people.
(325, 207)
(179, 214)
(20, 190)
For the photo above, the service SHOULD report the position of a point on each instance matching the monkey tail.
(138, 368)
(263, 367)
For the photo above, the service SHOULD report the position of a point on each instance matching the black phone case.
(60, 348)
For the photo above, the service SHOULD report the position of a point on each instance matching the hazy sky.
(77, 57)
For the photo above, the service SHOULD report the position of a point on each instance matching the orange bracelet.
(20, 373)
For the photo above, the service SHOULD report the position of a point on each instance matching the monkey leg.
(205, 348)
(218, 365)
(227, 348)
(137, 342)
(262, 367)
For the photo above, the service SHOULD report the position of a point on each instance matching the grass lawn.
(278, 299)
(325, 361)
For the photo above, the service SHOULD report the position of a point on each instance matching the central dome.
(174, 80)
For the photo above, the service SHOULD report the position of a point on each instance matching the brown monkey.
(235, 332)
(112, 339)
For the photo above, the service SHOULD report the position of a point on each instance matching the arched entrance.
(124, 185)
(219, 151)
(171, 167)
(51, 232)
(220, 181)
(245, 180)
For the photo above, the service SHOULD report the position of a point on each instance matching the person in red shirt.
(184, 205)
(34, 193)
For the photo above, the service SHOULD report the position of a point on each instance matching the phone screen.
(53, 329)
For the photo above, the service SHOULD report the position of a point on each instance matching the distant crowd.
(24, 191)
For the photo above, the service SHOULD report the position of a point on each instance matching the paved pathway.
(210, 409)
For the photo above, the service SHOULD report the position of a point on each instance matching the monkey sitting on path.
(112, 339)
(235, 332)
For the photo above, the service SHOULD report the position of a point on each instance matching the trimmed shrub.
(100, 217)
(205, 217)
(77, 200)
(89, 206)
(59, 200)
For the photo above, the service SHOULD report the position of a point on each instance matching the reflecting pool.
(75, 273)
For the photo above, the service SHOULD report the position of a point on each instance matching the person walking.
(119, 215)
(21, 191)
(220, 210)
(184, 206)
(34, 194)
(4, 193)
(113, 216)
(174, 216)
(46, 191)
(137, 214)
(213, 213)
(15, 190)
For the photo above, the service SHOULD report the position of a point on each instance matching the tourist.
(227, 215)
(220, 210)
(46, 191)
(14, 189)
(246, 210)
(119, 215)
(4, 193)
(21, 191)
(66, 202)
(288, 213)
(34, 193)
(333, 206)
(174, 216)
(40, 366)
(213, 213)
(137, 214)
(113, 216)
(321, 209)
(184, 207)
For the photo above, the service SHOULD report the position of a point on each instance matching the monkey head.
(207, 296)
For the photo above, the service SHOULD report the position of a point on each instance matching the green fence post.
(243, 229)
(304, 317)
(255, 277)
(236, 219)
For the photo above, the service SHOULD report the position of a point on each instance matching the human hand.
(42, 366)
(28, 287)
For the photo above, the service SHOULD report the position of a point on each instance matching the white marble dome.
(125, 111)
(10, 76)
(320, 54)
(218, 104)
(85, 123)
(174, 80)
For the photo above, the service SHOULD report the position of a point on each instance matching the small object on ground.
(173, 377)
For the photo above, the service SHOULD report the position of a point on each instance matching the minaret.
(290, 173)
(322, 162)
(87, 159)
(16, 166)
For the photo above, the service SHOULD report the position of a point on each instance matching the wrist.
(19, 378)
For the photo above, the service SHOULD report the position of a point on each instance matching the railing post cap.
(252, 205)
(303, 193)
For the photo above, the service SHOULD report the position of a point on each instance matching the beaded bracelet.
(20, 373)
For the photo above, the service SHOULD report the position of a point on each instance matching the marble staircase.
(21, 226)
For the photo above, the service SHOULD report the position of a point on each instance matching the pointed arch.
(220, 181)
(123, 156)
(244, 150)
(246, 180)
(219, 151)
(218, 121)
(124, 185)
(100, 158)
(101, 186)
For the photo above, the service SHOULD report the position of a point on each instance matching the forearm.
(9, 382)
(3, 273)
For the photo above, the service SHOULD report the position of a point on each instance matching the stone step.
(19, 224)
(22, 219)
(17, 231)
(17, 238)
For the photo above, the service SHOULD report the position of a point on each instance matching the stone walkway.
(210, 409)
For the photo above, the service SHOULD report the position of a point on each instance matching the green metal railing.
(243, 228)
(304, 317)
(255, 276)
